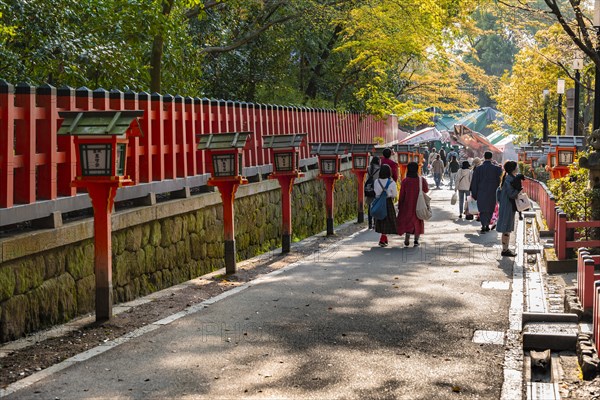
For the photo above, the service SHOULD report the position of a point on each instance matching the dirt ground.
(42, 354)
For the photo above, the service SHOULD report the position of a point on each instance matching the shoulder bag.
(522, 202)
(423, 208)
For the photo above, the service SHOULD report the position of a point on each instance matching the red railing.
(556, 219)
(538, 192)
(35, 165)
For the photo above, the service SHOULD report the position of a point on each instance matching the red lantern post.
(285, 151)
(404, 156)
(225, 152)
(360, 158)
(101, 138)
(329, 172)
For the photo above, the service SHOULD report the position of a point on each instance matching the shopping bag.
(423, 210)
(454, 198)
(522, 202)
(472, 206)
(379, 205)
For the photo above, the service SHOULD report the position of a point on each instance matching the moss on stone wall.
(53, 287)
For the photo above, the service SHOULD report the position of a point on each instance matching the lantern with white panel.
(563, 153)
(101, 139)
(360, 158)
(329, 167)
(404, 156)
(226, 160)
(286, 155)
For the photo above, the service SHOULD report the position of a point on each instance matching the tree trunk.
(156, 64)
(317, 71)
(158, 45)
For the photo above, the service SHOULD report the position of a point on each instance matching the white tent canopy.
(424, 135)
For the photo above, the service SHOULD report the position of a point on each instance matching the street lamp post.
(560, 89)
(577, 66)
(546, 93)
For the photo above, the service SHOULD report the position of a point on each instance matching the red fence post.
(100, 99)
(587, 295)
(47, 143)
(7, 137)
(191, 117)
(581, 252)
(561, 245)
(129, 101)
(155, 152)
(145, 142)
(25, 145)
(67, 158)
(168, 149)
(181, 138)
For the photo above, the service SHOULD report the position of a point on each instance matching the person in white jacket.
(463, 185)
(388, 225)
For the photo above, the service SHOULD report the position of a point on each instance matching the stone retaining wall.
(47, 277)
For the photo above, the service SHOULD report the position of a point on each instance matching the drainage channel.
(544, 333)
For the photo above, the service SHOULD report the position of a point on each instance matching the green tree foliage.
(380, 56)
(573, 194)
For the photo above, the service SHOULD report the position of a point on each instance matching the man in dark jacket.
(486, 179)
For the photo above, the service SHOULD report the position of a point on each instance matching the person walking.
(453, 167)
(486, 179)
(437, 167)
(507, 207)
(432, 156)
(426, 161)
(407, 222)
(372, 176)
(387, 160)
(388, 225)
(463, 185)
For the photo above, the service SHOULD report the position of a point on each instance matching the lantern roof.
(99, 123)
(534, 154)
(283, 141)
(567, 141)
(328, 148)
(361, 148)
(403, 148)
(221, 141)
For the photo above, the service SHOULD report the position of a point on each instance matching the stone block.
(133, 238)
(86, 294)
(55, 264)
(589, 368)
(146, 230)
(167, 230)
(29, 274)
(118, 241)
(8, 282)
(550, 335)
(150, 261)
(155, 234)
(13, 321)
(78, 263)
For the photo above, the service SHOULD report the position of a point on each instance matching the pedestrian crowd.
(484, 190)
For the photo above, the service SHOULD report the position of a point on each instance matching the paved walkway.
(354, 322)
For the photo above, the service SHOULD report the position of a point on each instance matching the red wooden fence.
(556, 219)
(35, 165)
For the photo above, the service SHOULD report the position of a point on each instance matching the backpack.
(379, 205)
(369, 188)
(454, 166)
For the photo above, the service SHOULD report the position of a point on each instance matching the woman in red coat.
(407, 222)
